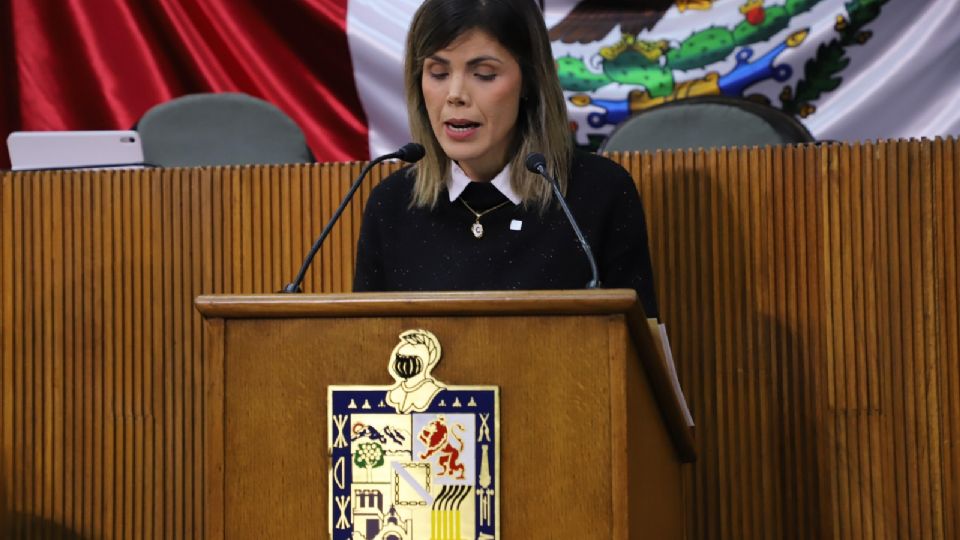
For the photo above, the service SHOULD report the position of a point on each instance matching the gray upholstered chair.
(706, 122)
(220, 129)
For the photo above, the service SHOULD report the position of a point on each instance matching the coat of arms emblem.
(415, 460)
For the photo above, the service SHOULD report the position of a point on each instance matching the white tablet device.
(74, 149)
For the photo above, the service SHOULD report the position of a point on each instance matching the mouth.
(462, 124)
(458, 128)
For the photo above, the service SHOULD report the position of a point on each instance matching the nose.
(455, 91)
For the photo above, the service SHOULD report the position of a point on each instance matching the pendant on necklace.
(477, 229)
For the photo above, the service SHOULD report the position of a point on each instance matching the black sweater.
(415, 249)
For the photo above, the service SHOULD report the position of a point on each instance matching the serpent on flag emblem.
(417, 459)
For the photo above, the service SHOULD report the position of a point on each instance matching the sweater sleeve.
(625, 261)
(368, 274)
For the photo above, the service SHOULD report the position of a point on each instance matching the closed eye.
(485, 77)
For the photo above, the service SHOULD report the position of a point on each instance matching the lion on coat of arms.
(437, 438)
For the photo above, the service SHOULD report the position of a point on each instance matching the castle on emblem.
(415, 460)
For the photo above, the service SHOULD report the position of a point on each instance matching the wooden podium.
(592, 434)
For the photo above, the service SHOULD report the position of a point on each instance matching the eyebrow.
(470, 63)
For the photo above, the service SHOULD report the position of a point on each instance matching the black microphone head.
(536, 162)
(411, 152)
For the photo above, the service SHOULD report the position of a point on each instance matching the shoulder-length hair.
(542, 124)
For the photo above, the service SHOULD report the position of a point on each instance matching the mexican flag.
(848, 69)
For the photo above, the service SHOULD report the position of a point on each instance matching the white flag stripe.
(376, 32)
(903, 81)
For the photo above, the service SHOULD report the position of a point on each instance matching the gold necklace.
(477, 228)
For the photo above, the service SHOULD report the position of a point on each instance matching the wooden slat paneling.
(100, 372)
(830, 304)
(810, 293)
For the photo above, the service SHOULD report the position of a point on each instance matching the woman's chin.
(460, 152)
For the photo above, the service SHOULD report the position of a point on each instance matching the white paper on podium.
(660, 331)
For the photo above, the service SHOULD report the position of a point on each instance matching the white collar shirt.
(459, 182)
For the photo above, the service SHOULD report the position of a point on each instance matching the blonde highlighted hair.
(542, 124)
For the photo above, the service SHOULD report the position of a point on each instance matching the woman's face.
(472, 90)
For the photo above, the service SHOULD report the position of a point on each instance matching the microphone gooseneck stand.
(410, 153)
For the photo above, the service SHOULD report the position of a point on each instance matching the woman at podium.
(482, 95)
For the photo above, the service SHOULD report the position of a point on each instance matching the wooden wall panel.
(824, 379)
(810, 293)
(101, 401)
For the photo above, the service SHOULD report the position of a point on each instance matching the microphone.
(536, 163)
(410, 153)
